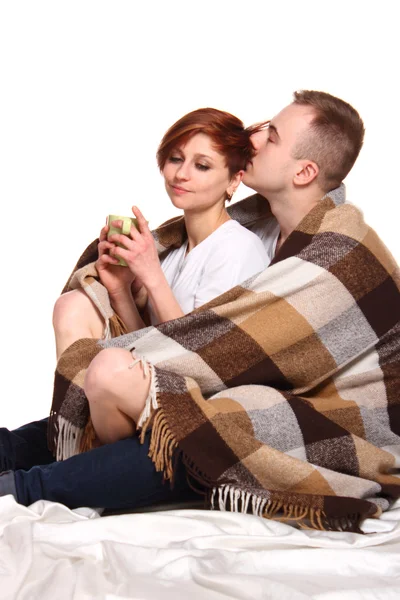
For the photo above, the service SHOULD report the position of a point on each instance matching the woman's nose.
(182, 172)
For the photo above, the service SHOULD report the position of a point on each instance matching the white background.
(88, 89)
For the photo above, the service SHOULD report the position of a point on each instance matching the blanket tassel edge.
(228, 497)
(163, 446)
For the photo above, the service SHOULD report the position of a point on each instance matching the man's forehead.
(293, 117)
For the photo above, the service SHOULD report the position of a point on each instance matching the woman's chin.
(179, 202)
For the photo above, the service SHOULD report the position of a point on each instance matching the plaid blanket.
(282, 395)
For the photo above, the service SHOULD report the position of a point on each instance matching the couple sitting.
(279, 396)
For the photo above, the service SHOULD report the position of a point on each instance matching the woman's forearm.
(125, 307)
(163, 301)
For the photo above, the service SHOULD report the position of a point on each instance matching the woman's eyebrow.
(203, 156)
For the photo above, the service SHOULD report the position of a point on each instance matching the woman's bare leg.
(75, 317)
(116, 394)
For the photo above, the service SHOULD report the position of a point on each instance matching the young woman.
(202, 158)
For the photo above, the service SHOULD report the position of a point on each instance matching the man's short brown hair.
(334, 139)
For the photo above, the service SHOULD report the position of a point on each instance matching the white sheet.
(48, 552)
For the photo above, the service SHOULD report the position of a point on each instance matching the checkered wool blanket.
(281, 395)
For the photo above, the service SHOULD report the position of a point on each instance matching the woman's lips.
(179, 190)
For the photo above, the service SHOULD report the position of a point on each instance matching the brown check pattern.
(282, 395)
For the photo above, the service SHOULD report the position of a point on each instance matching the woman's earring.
(229, 196)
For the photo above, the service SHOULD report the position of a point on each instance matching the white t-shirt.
(227, 257)
(268, 231)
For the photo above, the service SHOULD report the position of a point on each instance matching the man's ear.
(306, 172)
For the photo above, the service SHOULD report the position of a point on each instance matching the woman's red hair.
(228, 135)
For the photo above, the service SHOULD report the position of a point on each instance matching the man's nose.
(258, 138)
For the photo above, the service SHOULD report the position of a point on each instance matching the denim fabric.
(24, 447)
(7, 484)
(116, 476)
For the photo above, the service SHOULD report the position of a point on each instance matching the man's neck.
(290, 209)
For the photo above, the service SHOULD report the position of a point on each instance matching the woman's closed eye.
(202, 167)
(175, 159)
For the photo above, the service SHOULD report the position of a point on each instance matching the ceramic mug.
(127, 223)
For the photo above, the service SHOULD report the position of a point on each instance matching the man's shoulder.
(344, 239)
(345, 218)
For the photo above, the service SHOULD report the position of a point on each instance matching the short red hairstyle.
(228, 135)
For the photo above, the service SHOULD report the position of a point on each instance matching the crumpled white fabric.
(49, 552)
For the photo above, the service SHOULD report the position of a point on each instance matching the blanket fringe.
(89, 437)
(115, 327)
(68, 440)
(229, 498)
(151, 403)
(162, 444)
(52, 432)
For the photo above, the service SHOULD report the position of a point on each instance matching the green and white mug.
(127, 223)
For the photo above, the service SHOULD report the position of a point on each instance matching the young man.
(305, 152)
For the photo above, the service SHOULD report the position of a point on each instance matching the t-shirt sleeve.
(230, 263)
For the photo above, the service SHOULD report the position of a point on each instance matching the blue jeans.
(116, 476)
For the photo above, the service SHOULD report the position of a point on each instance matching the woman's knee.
(104, 371)
(68, 308)
(75, 312)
